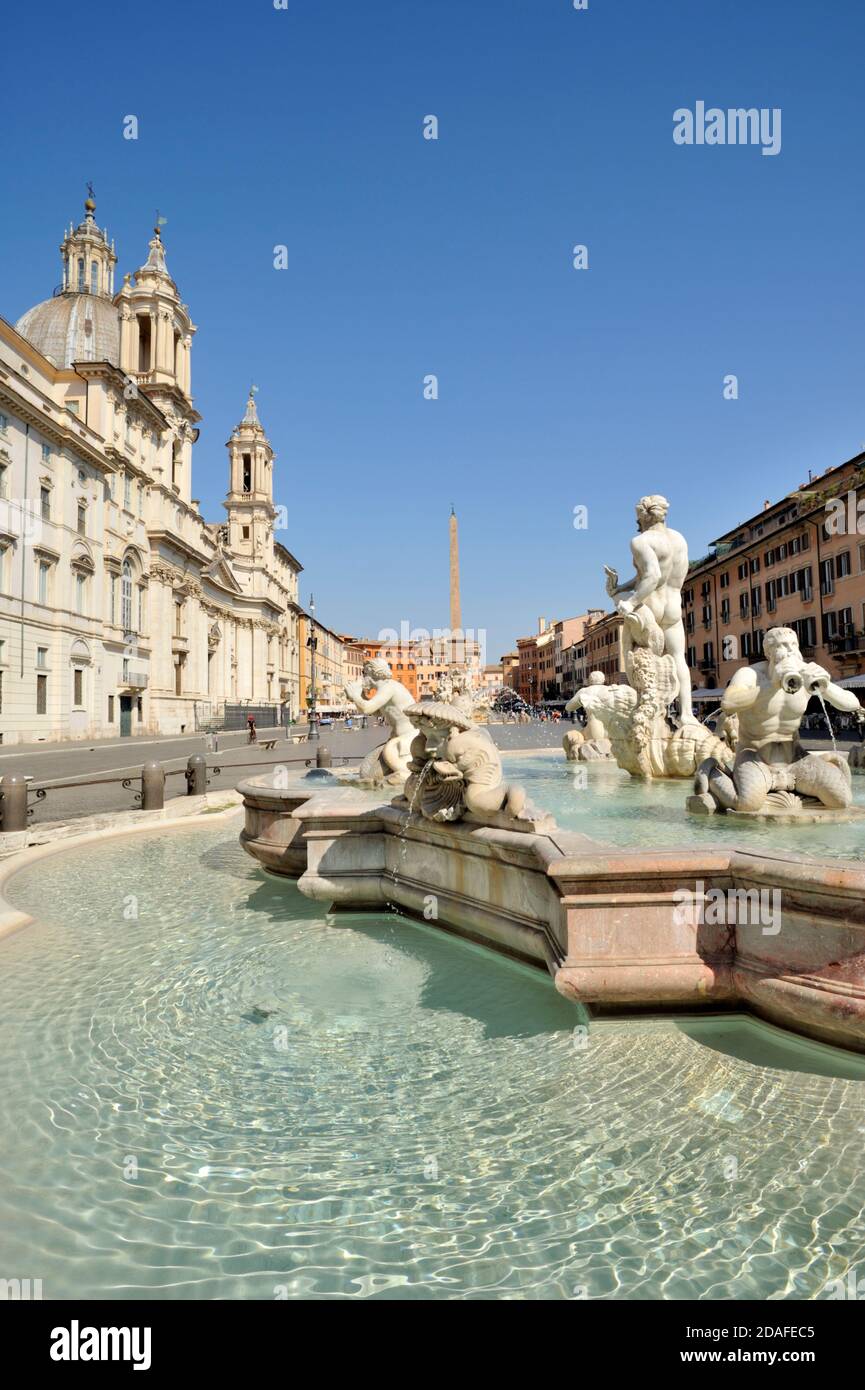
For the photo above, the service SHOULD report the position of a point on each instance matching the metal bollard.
(13, 806)
(152, 787)
(323, 758)
(196, 775)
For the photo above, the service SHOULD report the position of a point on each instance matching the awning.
(852, 682)
(706, 694)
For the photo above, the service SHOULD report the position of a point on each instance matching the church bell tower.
(249, 503)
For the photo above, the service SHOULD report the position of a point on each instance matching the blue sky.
(407, 257)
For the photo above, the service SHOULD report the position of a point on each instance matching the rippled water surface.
(209, 1090)
(611, 805)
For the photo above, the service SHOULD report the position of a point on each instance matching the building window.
(127, 491)
(41, 694)
(80, 593)
(126, 597)
(82, 519)
(806, 631)
(144, 343)
(178, 619)
(755, 565)
(94, 277)
(802, 582)
(842, 565)
(78, 687)
(827, 577)
(44, 568)
(247, 473)
(245, 533)
(46, 453)
(110, 709)
(743, 570)
(81, 285)
(725, 580)
(42, 656)
(45, 503)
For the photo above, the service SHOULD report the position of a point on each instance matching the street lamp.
(312, 643)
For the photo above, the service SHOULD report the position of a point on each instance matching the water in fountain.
(828, 720)
(403, 834)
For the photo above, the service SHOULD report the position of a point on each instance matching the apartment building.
(800, 563)
(599, 649)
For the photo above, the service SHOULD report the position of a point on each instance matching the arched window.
(94, 277)
(81, 272)
(126, 597)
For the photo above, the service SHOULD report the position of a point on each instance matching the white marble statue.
(454, 687)
(589, 744)
(653, 613)
(456, 769)
(772, 772)
(635, 718)
(379, 693)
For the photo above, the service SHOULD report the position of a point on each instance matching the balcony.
(133, 680)
(179, 644)
(848, 643)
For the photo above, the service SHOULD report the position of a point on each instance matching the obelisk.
(456, 610)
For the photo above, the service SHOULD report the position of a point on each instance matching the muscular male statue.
(770, 699)
(653, 613)
(379, 693)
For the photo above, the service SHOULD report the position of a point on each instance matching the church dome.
(80, 323)
(74, 328)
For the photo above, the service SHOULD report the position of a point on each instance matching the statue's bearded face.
(782, 652)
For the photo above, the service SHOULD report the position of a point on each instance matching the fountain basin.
(620, 930)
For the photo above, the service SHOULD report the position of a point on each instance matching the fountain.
(705, 924)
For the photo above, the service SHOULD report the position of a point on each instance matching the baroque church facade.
(122, 610)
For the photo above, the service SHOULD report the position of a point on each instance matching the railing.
(16, 810)
(847, 642)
